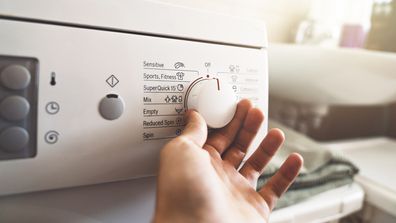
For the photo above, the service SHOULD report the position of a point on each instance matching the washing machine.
(91, 90)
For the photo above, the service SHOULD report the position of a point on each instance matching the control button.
(14, 108)
(52, 108)
(51, 137)
(14, 139)
(15, 77)
(214, 100)
(111, 107)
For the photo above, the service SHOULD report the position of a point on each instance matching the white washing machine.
(91, 90)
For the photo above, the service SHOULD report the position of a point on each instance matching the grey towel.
(323, 169)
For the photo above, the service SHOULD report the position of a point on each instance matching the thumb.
(195, 129)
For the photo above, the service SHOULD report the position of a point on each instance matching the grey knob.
(111, 107)
(14, 108)
(13, 139)
(15, 77)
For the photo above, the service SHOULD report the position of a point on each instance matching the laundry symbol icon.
(179, 65)
(178, 110)
(179, 121)
(174, 99)
(234, 78)
(180, 76)
(167, 99)
(180, 87)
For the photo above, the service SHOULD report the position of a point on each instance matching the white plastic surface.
(376, 161)
(121, 202)
(142, 16)
(325, 207)
(215, 100)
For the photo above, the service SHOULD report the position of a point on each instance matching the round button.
(111, 107)
(215, 100)
(14, 108)
(15, 77)
(14, 139)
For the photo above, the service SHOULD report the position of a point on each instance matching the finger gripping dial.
(214, 99)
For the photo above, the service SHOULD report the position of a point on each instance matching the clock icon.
(52, 108)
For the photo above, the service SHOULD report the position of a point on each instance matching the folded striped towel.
(323, 169)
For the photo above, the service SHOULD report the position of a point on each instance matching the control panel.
(83, 106)
(18, 103)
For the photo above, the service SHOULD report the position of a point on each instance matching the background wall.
(281, 16)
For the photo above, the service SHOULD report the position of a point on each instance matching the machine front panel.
(101, 104)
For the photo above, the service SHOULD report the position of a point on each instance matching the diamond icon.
(112, 81)
(167, 99)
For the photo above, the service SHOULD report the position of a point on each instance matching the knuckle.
(256, 164)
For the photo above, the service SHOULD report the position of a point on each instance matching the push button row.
(15, 108)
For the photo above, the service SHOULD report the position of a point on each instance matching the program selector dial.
(214, 99)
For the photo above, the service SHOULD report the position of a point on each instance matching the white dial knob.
(214, 99)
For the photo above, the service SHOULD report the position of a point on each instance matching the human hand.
(199, 180)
